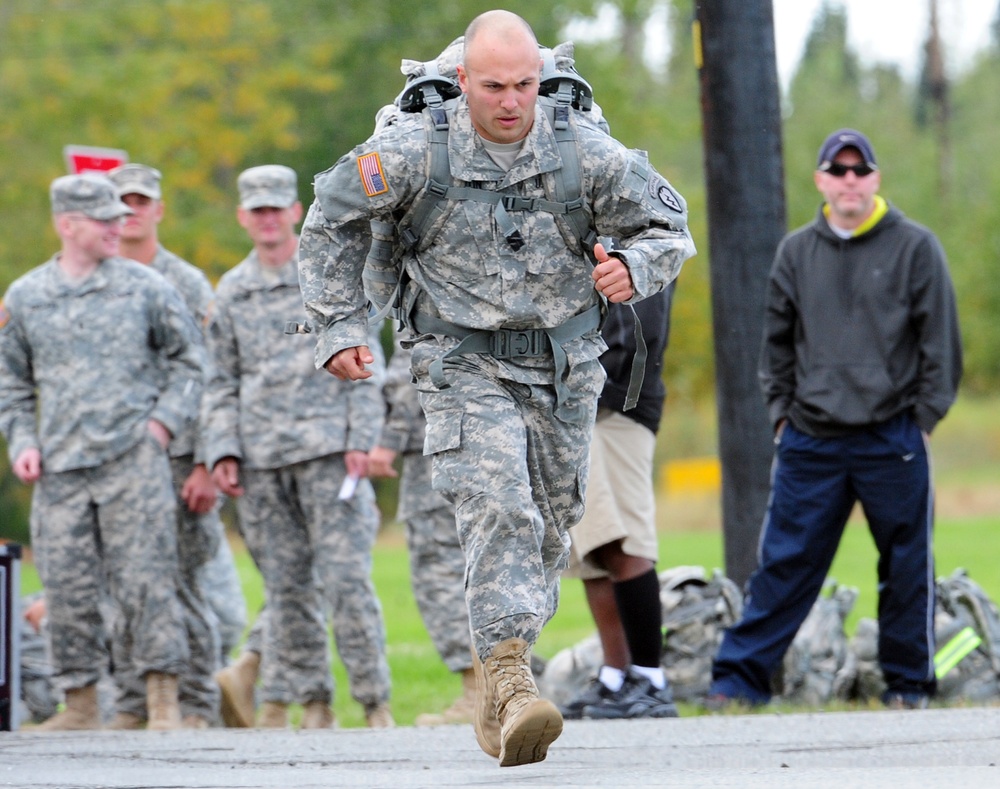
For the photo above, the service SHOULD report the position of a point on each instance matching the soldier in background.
(437, 563)
(100, 366)
(293, 449)
(199, 530)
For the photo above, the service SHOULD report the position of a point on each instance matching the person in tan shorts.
(614, 547)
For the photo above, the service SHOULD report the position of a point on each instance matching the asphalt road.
(931, 749)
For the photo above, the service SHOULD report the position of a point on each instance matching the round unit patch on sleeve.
(659, 189)
(372, 176)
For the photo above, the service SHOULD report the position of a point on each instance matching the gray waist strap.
(512, 344)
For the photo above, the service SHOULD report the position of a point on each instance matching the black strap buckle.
(510, 343)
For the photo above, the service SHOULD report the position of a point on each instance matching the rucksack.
(817, 666)
(697, 609)
(967, 656)
(431, 88)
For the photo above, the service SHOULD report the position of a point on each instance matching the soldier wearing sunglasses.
(861, 358)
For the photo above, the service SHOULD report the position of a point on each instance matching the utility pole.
(741, 118)
(935, 96)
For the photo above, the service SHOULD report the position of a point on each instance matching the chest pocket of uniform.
(462, 247)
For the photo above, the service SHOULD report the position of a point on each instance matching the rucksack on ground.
(818, 666)
(697, 608)
(967, 654)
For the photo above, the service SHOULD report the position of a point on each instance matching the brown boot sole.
(528, 740)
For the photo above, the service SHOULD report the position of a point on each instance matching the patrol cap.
(138, 179)
(269, 185)
(90, 194)
(845, 138)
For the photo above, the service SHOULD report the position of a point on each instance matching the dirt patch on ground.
(962, 501)
(697, 512)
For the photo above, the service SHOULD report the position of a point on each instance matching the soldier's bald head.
(500, 25)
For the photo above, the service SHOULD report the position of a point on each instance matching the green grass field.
(967, 455)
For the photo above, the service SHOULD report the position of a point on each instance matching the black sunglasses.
(838, 170)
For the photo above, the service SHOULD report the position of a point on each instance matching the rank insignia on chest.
(372, 175)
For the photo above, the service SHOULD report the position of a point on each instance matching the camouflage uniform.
(198, 538)
(290, 427)
(437, 564)
(510, 437)
(100, 358)
(227, 608)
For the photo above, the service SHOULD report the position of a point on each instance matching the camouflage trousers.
(437, 563)
(39, 698)
(313, 549)
(517, 477)
(227, 607)
(198, 537)
(110, 527)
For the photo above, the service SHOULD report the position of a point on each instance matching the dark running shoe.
(895, 700)
(638, 698)
(594, 693)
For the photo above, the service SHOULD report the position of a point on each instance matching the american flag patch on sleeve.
(372, 175)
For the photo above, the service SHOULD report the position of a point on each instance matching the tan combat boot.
(236, 683)
(379, 716)
(485, 721)
(161, 702)
(194, 721)
(81, 712)
(273, 715)
(317, 715)
(528, 724)
(125, 721)
(462, 709)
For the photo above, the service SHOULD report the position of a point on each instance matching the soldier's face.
(94, 239)
(500, 80)
(269, 226)
(142, 224)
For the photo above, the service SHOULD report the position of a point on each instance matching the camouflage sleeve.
(637, 206)
(374, 180)
(404, 417)
(200, 302)
(220, 408)
(179, 340)
(17, 388)
(199, 296)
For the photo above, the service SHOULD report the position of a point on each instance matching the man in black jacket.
(861, 358)
(614, 546)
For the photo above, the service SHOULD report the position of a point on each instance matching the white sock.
(654, 675)
(612, 678)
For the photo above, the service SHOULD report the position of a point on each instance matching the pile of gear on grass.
(822, 664)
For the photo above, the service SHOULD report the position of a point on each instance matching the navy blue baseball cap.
(845, 138)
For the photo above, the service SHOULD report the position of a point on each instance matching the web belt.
(512, 344)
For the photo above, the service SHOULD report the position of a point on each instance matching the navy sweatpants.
(815, 484)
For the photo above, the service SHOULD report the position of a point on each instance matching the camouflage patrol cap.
(90, 194)
(270, 185)
(138, 179)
